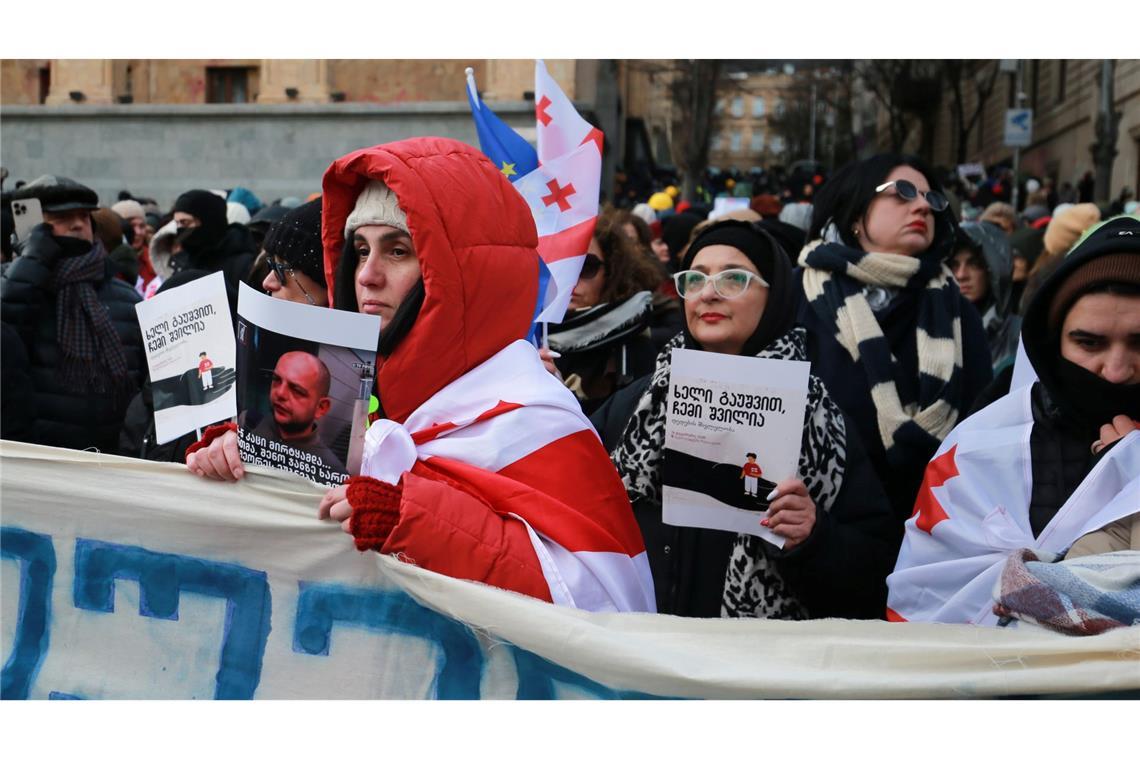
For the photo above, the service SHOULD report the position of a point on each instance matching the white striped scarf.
(833, 281)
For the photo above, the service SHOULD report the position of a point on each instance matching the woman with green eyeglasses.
(739, 298)
(889, 333)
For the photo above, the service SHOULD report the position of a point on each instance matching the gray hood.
(999, 260)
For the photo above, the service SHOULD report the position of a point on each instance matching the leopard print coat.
(753, 584)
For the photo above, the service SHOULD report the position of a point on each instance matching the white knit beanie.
(376, 204)
(129, 209)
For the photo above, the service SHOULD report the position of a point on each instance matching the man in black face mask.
(208, 243)
(76, 320)
(1082, 334)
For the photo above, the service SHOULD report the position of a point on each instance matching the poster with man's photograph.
(189, 339)
(732, 432)
(305, 377)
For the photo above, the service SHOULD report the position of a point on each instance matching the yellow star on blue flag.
(514, 155)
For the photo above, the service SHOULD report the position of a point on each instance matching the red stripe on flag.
(894, 617)
(572, 241)
(420, 437)
(595, 136)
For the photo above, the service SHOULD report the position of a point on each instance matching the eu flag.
(506, 148)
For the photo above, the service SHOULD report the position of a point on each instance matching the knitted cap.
(209, 208)
(1113, 267)
(129, 209)
(660, 202)
(236, 213)
(1067, 226)
(376, 204)
(296, 240)
(643, 211)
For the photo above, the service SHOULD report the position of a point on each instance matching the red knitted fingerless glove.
(209, 434)
(375, 511)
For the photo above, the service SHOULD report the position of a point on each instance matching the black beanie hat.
(210, 208)
(296, 240)
(774, 266)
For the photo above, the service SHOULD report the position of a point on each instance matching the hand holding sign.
(792, 513)
(219, 458)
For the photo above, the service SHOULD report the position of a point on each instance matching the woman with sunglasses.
(889, 333)
(605, 341)
(482, 466)
(294, 257)
(739, 298)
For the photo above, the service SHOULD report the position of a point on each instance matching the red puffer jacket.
(509, 484)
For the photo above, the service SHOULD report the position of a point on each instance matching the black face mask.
(197, 239)
(1092, 400)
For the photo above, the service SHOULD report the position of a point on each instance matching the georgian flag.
(560, 127)
(563, 198)
(972, 513)
(509, 422)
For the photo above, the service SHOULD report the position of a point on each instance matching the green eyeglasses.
(731, 283)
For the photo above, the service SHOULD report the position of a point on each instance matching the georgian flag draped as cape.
(972, 513)
(506, 421)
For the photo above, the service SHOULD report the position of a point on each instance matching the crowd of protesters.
(916, 297)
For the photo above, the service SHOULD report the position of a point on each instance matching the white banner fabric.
(125, 579)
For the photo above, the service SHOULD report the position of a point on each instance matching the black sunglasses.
(908, 192)
(282, 273)
(590, 267)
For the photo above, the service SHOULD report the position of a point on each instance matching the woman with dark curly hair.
(606, 339)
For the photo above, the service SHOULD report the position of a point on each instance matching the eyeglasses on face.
(731, 283)
(282, 273)
(908, 192)
(590, 267)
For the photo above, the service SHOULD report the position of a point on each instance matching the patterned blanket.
(1079, 597)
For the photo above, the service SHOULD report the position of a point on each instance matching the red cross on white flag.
(560, 128)
(563, 197)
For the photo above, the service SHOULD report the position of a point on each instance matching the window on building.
(45, 83)
(719, 107)
(738, 106)
(717, 142)
(757, 142)
(228, 84)
(734, 142)
(758, 106)
(778, 145)
(779, 109)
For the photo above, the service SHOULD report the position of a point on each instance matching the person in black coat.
(889, 333)
(840, 538)
(76, 320)
(209, 243)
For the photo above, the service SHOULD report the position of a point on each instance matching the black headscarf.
(765, 253)
(210, 210)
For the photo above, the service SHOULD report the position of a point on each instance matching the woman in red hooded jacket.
(483, 467)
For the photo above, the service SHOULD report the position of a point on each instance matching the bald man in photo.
(298, 397)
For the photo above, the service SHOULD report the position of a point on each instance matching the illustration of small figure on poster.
(204, 373)
(751, 473)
